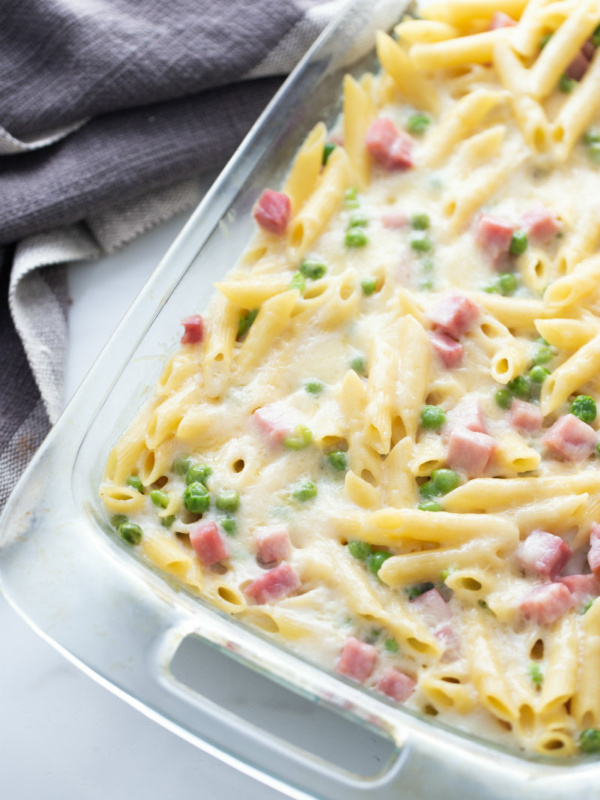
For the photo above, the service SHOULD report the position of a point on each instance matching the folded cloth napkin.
(106, 110)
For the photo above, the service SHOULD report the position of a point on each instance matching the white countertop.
(64, 737)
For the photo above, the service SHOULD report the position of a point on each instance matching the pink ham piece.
(357, 660)
(394, 220)
(570, 438)
(588, 49)
(396, 685)
(194, 329)
(208, 544)
(594, 551)
(273, 211)
(494, 235)
(582, 587)
(273, 545)
(470, 452)
(468, 414)
(540, 224)
(449, 640)
(277, 583)
(525, 416)
(388, 146)
(275, 422)
(578, 67)
(501, 20)
(432, 608)
(449, 351)
(454, 314)
(547, 603)
(543, 553)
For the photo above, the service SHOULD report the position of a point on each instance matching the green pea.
(584, 407)
(229, 525)
(358, 221)
(426, 285)
(418, 123)
(445, 479)
(503, 398)
(589, 740)
(566, 84)
(302, 438)
(492, 289)
(421, 243)
(543, 354)
(376, 560)
(592, 136)
(356, 237)
(507, 283)
(245, 322)
(538, 374)
(594, 152)
(118, 519)
(420, 222)
(314, 386)
(428, 490)
(351, 197)
(305, 490)
(596, 36)
(518, 243)
(312, 269)
(545, 39)
(432, 417)
(196, 498)
(360, 550)
(166, 522)
(368, 285)
(535, 673)
(427, 265)
(135, 483)
(391, 645)
(298, 282)
(130, 533)
(328, 149)
(520, 387)
(181, 465)
(160, 499)
(198, 473)
(338, 460)
(598, 449)
(429, 505)
(358, 365)
(588, 605)
(228, 500)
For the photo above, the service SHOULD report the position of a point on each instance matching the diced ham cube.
(396, 685)
(454, 314)
(543, 553)
(194, 329)
(578, 67)
(547, 603)
(468, 414)
(577, 563)
(273, 545)
(540, 224)
(594, 551)
(357, 660)
(449, 351)
(525, 416)
(208, 544)
(470, 452)
(273, 211)
(448, 638)
(570, 438)
(588, 49)
(275, 584)
(394, 220)
(494, 235)
(582, 587)
(501, 20)
(432, 608)
(389, 147)
(274, 421)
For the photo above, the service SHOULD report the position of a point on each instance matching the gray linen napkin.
(106, 110)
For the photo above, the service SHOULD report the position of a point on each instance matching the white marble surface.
(62, 736)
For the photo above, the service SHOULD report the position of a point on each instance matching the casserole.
(54, 552)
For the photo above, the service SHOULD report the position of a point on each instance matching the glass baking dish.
(78, 585)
